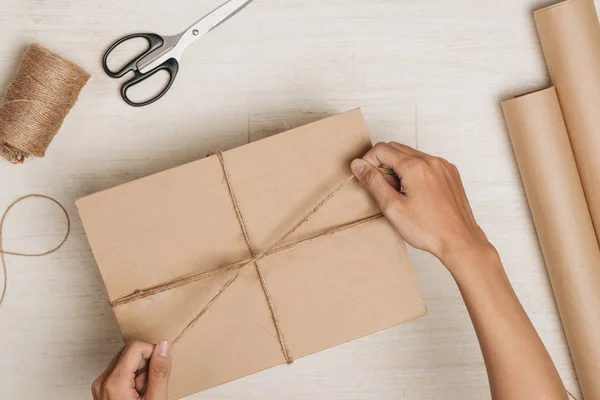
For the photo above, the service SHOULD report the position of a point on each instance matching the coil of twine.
(23, 254)
(36, 103)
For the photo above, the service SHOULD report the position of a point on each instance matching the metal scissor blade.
(206, 24)
(219, 16)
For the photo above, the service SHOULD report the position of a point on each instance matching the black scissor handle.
(154, 42)
(171, 66)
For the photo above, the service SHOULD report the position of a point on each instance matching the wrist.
(474, 257)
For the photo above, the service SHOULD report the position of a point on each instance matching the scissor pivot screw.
(195, 32)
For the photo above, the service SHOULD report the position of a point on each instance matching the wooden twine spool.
(36, 103)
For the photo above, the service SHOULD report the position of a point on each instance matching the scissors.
(163, 52)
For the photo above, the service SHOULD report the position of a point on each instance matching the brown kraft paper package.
(182, 222)
(564, 226)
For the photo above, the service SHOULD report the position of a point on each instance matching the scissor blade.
(199, 29)
(218, 17)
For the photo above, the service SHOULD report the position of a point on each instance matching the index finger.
(386, 155)
(135, 354)
(411, 151)
(111, 366)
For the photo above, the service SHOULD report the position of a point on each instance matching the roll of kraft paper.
(570, 36)
(564, 226)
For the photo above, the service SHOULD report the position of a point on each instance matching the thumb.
(159, 372)
(372, 179)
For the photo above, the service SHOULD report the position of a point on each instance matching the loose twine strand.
(36, 103)
(16, 253)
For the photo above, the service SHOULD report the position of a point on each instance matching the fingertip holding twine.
(36, 103)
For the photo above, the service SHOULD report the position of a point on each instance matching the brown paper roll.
(558, 205)
(570, 36)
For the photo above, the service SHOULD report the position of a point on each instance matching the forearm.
(431, 212)
(518, 365)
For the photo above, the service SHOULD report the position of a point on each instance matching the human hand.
(139, 371)
(426, 203)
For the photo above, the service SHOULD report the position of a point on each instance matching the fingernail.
(358, 166)
(163, 348)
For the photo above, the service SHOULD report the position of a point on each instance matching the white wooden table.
(429, 73)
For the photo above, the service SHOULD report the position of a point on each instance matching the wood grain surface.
(428, 73)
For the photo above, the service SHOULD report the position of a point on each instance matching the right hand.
(138, 372)
(428, 206)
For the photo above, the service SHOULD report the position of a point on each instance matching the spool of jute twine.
(36, 103)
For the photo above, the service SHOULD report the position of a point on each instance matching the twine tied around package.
(16, 253)
(36, 103)
(254, 258)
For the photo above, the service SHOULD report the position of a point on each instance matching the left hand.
(122, 381)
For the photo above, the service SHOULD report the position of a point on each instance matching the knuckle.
(391, 208)
(417, 165)
(133, 343)
(128, 346)
(111, 387)
(437, 162)
(159, 370)
(380, 146)
(96, 386)
(370, 177)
